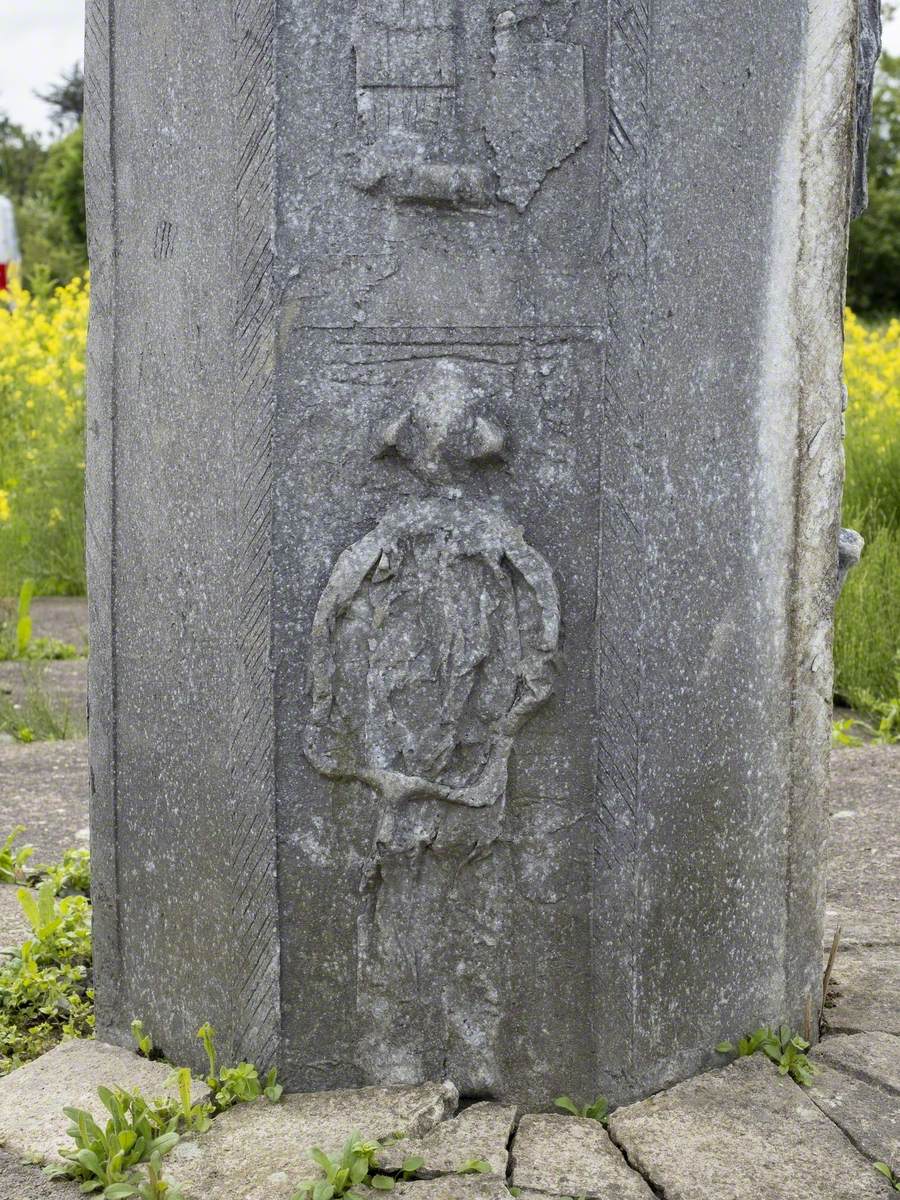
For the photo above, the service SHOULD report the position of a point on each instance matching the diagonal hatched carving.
(253, 839)
(620, 667)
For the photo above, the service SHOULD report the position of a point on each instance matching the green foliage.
(70, 877)
(13, 861)
(598, 1111)
(49, 258)
(66, 98)
(866, 625)
(45, 985)
(474, 1166)
(23, 618)
(238, 1084)
(61, 180)
(143, 1041)
(888, 1172)
(21, 156)
(785, 1049)
(873, 276)
(154, 1187)
(104, 1159)
(193, 1117)
(356, 1167)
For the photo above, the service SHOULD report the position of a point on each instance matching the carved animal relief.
(434, 638)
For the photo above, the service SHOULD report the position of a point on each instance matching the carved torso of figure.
(434, 638)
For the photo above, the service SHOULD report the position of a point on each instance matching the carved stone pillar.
(465, 468)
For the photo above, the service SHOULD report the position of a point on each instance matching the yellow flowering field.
(42, 353)
(42, 359)
(867, 636)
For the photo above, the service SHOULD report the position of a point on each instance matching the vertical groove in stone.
(256, 988)
(827, 149)
(622, 536)
(100, 194)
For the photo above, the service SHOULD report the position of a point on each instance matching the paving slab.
(572, 1156)
(481, 1131)
(864, 995)
(32, 1123)
(449, 1187)
(864, 847)
(14, 927)
(857, 1085)
(62, 617)
(260, 1151)
(25, 1181)
(869, 1116)
(44, 786)
(742, 1133)
(873, 1057)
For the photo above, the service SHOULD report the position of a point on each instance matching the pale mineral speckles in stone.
(463, 594)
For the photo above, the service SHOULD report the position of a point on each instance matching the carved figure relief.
(434, 638)
(407, 91)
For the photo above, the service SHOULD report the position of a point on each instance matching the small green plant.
(787, 1050)
(889, 1174)
(104, 1158)
(195, 1118)
(356, 1167)
(45, 984)
(143, 1041)
(475, 1166)
(842, 733)
(71, 877)
(598, 1111)
(14, 860)
(154, 1188)
(23, 618)
(411, 1165)
(239, 1084)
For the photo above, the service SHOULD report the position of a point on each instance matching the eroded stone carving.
(536, 114)
(433, 641)
(413, 148)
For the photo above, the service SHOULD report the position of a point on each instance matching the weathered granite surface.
(874, 1057)
(24, 1181)
(261, 1151)
(864, 995)
(32, 1123)
(743, 1132)
(481, 1131)
(572, 1156)
(448, 1188)
(448, 371)
(869, 50)
(858, 1086)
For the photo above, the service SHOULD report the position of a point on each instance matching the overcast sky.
(41, 38)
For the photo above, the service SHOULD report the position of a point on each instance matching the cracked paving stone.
(260, 1151)
(32, 1122)
(572, 1156)
(479, 1132)
(448, 1187)
(746, 1133)
(864, 996)
(857, 1085)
